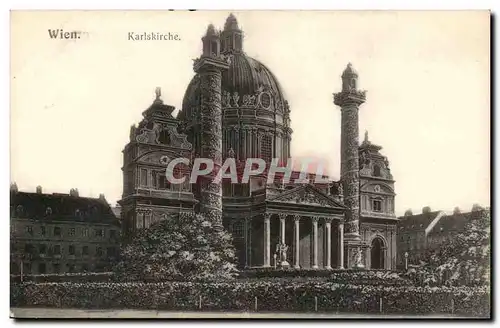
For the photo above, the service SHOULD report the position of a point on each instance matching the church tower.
(209, 67)
(349, 100)
(378, 219)
(148, 195)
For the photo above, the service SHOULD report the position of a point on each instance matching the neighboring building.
(421, 233)
(235, 107)
(412, 234)
(58, 233)
(117, 211)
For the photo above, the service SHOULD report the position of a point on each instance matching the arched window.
(377, 205)
(214, 47)
(376, 171)
(267, 148)
(353, 84)
(164, 137)
(238, 42)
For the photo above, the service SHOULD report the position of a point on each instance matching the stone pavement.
(149, 314)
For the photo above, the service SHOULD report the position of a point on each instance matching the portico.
(307, 222)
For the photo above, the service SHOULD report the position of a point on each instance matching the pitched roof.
(418, 221)
(455, 222)
(60, 207)
(117, 210)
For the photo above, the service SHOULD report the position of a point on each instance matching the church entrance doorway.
(377, 253)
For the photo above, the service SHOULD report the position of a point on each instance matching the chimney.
(426, 210)
(73, 192)
(456, 210)
(39, 189)
(13, 187)
(408, 212)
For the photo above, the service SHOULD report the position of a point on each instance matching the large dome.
(256, 120)
(248, 77)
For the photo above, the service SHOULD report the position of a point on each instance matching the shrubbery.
(180, 247)
(287, 296)
(465, 260)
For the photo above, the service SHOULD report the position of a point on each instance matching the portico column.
(282, 217)
(328, 233)
(267, 240)
(247, 246)
(341, 245)
(384, 259)
(296, 246)
(315, 242)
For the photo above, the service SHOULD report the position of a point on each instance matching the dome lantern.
(231, 24)
(211, 42)
(232, 36)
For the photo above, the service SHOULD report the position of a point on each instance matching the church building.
(235, 107)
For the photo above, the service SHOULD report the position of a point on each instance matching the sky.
(426, 75)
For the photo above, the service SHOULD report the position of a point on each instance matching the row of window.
(20, 211)
(231, 189)
(57, 231)
(72, 250)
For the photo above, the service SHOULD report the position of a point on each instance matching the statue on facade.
(150, 135)
(249, 100)
(226, 99)
(226, 58)
(236, 99)
(158, 93)
(230, 153)
(281, 249)
(358, 258)
(386, 162)
(132, 132)
(362, 159)
(340, 190)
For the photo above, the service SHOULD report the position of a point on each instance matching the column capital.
(328, 220)
(296, 218)
(282, 216)
(315, 219)
(267, 216)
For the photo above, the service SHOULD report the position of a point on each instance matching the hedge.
(65, 277)
(276, 296)
(362, 277)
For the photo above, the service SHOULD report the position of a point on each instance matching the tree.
(463, 260)
(180, 247)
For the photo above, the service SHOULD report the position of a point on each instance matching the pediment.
(306, 195)
(377, 187)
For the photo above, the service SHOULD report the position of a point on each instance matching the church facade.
(234, 107)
